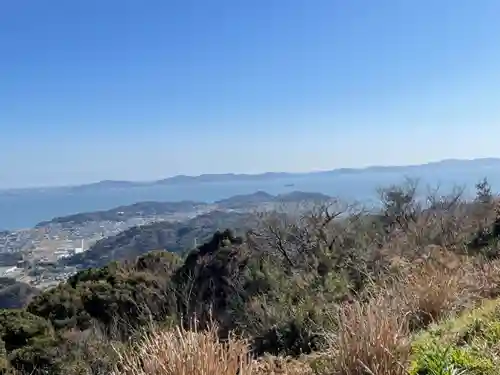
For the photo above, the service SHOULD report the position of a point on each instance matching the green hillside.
(172, 236)
(411, 290)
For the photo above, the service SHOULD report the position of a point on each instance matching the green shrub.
(40, 356)
(435, 359)
(18, 328)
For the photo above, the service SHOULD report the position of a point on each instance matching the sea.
(24, 209)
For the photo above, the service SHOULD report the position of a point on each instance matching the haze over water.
(25, 209)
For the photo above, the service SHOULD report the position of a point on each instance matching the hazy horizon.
(125, 90)
(25, 208)
(306, 172)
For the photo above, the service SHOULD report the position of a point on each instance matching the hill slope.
(121, 213)
(14, 294)
(171, 236)
(152, 209)
(375, 285)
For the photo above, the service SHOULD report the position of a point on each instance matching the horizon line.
(340, 169)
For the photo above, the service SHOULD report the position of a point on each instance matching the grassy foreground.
(456, 330)
(411, 289)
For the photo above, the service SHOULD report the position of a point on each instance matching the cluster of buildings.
(69, 252)
(41, 248)
(13, 241)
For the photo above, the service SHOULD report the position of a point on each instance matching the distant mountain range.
(233, 177)
(23, 208)
(442, 165)
(182, 180)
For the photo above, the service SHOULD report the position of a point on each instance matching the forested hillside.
(172, 236)
(412, 289)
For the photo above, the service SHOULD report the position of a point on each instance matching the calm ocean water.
(29, 208)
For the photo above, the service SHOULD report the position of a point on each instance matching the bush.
(19, 328)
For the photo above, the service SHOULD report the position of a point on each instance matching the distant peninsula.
(149, 209)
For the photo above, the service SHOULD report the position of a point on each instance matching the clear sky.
(122, 89)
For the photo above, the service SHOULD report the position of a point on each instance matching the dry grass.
(437, 286)
(433, 293)
(182, 352)
(373, 339)
(185, 352)
(282, 366)
(445, 285)
(487, 281)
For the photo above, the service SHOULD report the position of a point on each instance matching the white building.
(79, 250)
(10, 270)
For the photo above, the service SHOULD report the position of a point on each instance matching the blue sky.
(123, 89)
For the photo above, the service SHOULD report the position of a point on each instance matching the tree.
(483, 192)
